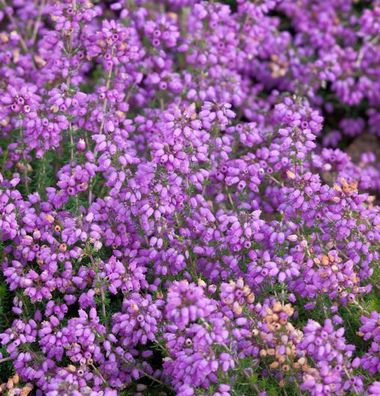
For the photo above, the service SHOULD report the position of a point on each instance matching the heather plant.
(181, 209)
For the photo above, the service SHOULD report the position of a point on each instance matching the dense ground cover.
(189, 197)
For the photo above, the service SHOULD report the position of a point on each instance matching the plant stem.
(38, 21)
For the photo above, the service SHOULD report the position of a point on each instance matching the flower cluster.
(370, 330)
(189, 197)
(331, 355)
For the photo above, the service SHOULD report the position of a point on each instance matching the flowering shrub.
(179, 211)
